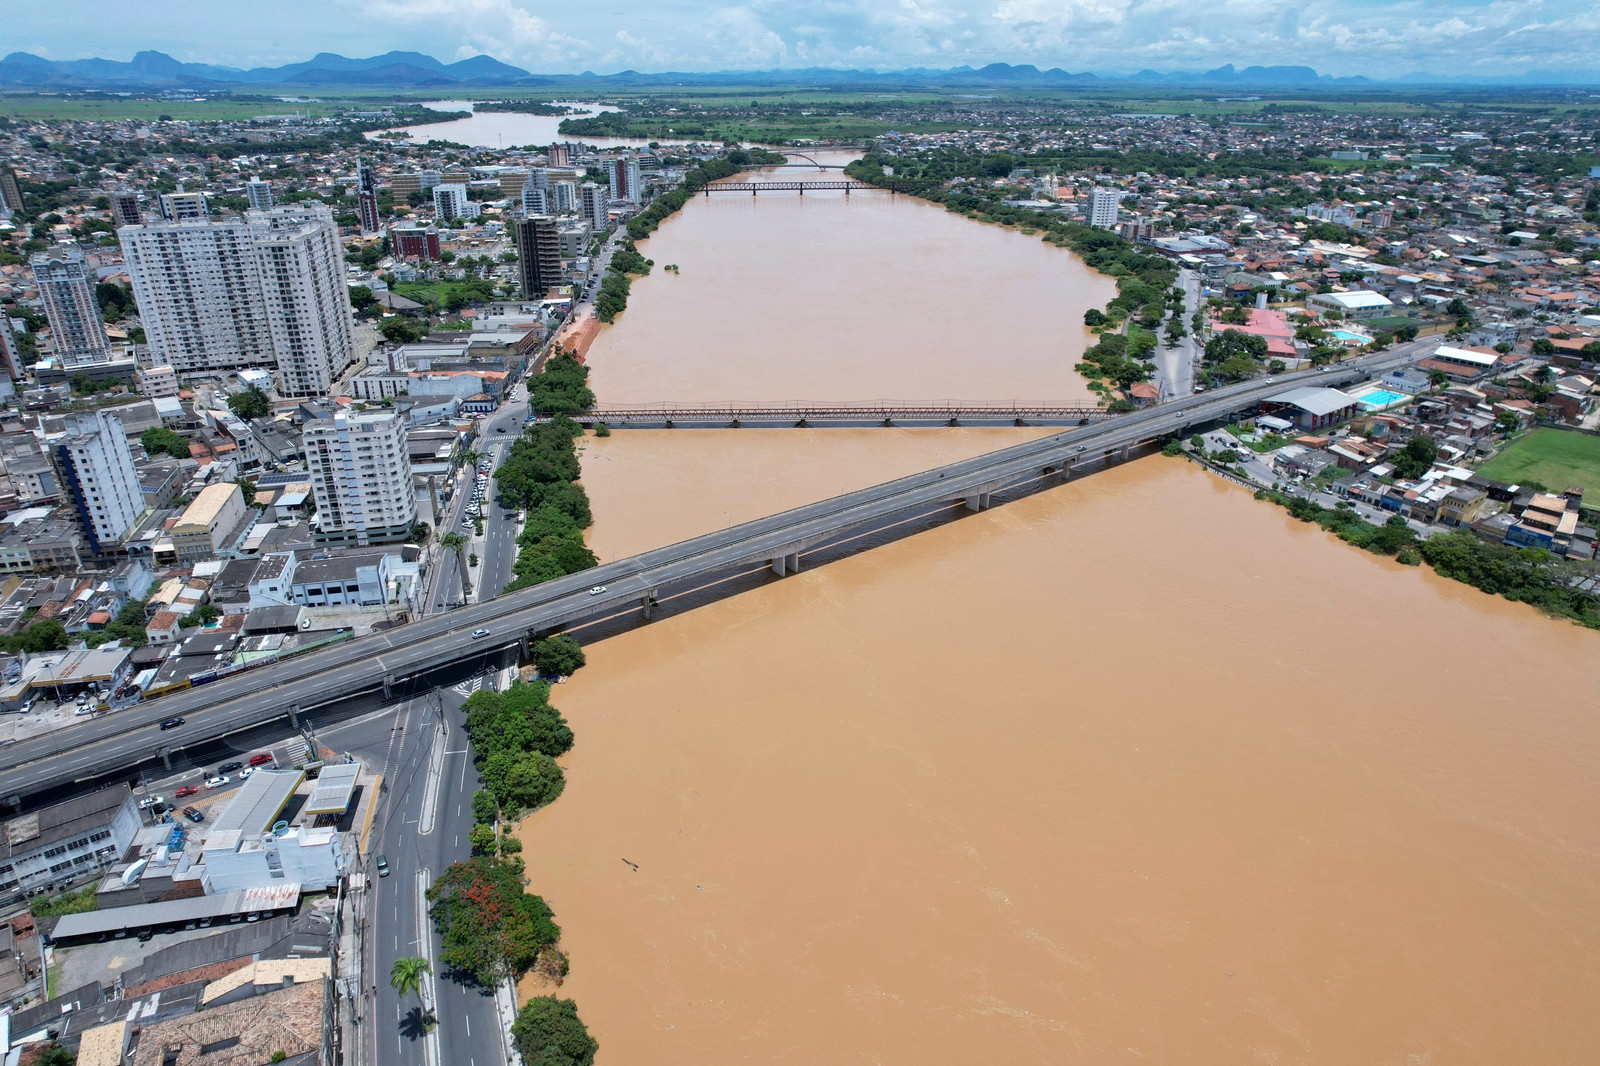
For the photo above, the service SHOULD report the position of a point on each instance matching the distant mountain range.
(413, 70)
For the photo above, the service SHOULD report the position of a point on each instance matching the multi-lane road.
(124, 738)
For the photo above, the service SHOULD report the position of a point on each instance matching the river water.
(1135, 769)
(505, 129)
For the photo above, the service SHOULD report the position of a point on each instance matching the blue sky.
(1379, 38)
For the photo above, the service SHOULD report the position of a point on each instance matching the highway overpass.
(386, 661)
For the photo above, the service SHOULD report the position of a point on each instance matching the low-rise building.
(213, 517)
(60, 843)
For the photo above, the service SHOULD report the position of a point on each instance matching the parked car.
(194, 814)
(217, 782)
(149, 801)
(261, 758)
(171, 723)
(229, 767)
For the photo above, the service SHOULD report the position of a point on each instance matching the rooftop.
(62, 821)
(257, 805)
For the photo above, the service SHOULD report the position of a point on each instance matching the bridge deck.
(84, 752)
(756, 415)
(800, 187)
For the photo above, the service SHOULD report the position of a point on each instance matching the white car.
(246, 772)
(597, 590)
(150, 801)
(217, 782)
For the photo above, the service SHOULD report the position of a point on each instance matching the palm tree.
(405, 976)
(457, 543)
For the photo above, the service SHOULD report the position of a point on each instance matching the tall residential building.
(10, 191)
(267, 289)
(64, 283)
(564, 198)
(366, 180)
(538, 255)
(98, 475)
(125, 208)
(360, 470)
(10, 351)
(560, 155)
(179, 206)
(260, 193)
(450, 201)
(592, 204)
(1103, 207)
(536, 192)
(623, 175)
(367, 202)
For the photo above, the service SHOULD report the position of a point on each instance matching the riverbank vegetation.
(1523, 575)
(491, 927)
(522, 107)
(540, 475)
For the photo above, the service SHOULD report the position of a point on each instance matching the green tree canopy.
(548, 1032)
(1416, 457)
(251, 403)
(490, 927)
(159, 440)
(559, 655)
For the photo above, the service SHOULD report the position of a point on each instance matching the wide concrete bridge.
(803, 415)
(409, 654)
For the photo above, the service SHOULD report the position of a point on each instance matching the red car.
(185, 790)
(261, 759)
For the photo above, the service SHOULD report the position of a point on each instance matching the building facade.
(622, 174)
(367, 202)
(178, 206)
(450, 201)
(68, 293)
(100, 479)
(260, 194)
(59, 844)
(125, 208)
(592, 204)
(1103, 207)
(415, 242)
(360, 470)
(538, 255)
(10, 351)
(267, 289)
(201, 529)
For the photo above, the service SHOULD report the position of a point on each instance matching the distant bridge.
(801, 416)
(813, 162)
(753, 187)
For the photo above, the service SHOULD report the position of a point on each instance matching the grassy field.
(46, 107)
(1555, 458)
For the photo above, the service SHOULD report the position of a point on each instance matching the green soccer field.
(1555, 458)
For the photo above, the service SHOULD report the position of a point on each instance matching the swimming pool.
(1347, 335)
(1380, 398)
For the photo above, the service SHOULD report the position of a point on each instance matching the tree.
(406, 975)
(484, 808)
(1232, 344)
(401, 330)
(1094, 317)
(481, 837)
(559, 655)
(1508, 422)
(491, 928)
(159, 440)
(1406, 332)
(361, 297)
(1544, 346)
(548, 1032)
(1437, 378)
(458, 544)
(1416, 457)
(250, 404)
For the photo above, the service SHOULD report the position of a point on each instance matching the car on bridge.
(476, 633)
(171, 723)
(597, 590)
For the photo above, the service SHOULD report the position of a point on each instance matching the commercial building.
(260, 194)
(67, 289)
(125, 208)
(360, 477)
(538, 255)
(415, 242)
(1350, 305)
(10, 191)
(98, 474)
(335, 579)
(592, 204)
(1310, 407)
(420, 181)
(1103, 207)
(450, 201)
(266, 289)
(622, 174)
(58, 844)
(243, 850)
(204, 525)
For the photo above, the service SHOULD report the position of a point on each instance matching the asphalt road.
(399, 742)
(103, 745)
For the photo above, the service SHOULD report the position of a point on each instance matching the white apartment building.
(592, 204)
(75, 327)
(10, 351)
(1103, 207)
(563, 198)
(623, 174)
(99, 477)
(260, 193)
(177, 206)
(450, 201)
(360, 477)
(266, 289)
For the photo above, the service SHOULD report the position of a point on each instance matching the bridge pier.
(294, 715)
(979, 501)
(524, 646)
(388, 682)
(1126, 449)
(166, 757)
(788, 563)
